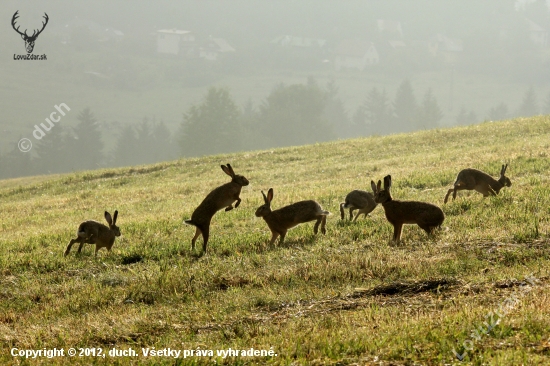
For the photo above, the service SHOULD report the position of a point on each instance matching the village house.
(186, 44)
(355, 54)
(175, 41)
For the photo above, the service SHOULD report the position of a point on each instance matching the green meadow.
(350, 297)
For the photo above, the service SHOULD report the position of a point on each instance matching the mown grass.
(300, 298)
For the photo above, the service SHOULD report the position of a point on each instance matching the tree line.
(65, 149)
(290, 115)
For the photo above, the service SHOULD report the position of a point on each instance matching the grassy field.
(349, 297)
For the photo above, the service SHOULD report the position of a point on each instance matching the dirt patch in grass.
(404, 288)
(417, 293)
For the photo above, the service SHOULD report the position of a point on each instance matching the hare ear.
(108, 218)
(378, 186)
(228, 170)
(265, 198)
(115, 216)
(387, 182)
(269, 195)
(503, 170)
(373, 186)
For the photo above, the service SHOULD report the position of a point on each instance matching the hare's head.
(239, 179)
(112, 223)
(266, 207)
(382, 195)
(504, 179)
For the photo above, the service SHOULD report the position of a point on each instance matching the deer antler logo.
(29, 40)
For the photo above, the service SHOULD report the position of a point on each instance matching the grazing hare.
(358, 200)
(473, 179)
(282, 219)
(220, 197)
(425, 215)
(93, 232)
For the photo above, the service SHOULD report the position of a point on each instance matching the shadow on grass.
(131, 258)
(407, 287)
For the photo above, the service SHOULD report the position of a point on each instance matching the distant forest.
(291, 115)
(431, 64)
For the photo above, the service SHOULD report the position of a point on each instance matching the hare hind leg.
(453, 190)
(205, 235)
(89, 240)
(77, 240)
(321, 219)
(197, 233)
(447, 195)
(323, 224)
(457, 187)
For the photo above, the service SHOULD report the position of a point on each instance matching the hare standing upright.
(282, 219)
(425, 215)
(93, 232)
(220, 197)
(473, 179)
(358, 200)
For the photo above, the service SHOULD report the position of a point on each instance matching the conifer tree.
(498, 113)
(378, 112)
(16, 163)
(335, 112)
(529, 106)
(405, 107)
(161, 137)
(126, 150)
(51, 153)
(429, 114)
(86, 148)
(294, 115)
(211, 127)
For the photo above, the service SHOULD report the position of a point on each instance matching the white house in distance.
(355, 54)
(213, 47)
(537, 34)
(185, 43)
(174, 41)
(390, 27)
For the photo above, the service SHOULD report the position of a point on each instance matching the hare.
(93, 232)
(358, 200)
(473, 179)
(282, 219)
(425, 215)
(220, 197)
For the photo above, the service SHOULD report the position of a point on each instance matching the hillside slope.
(349, 296)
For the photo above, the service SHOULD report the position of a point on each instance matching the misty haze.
(150, 83)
